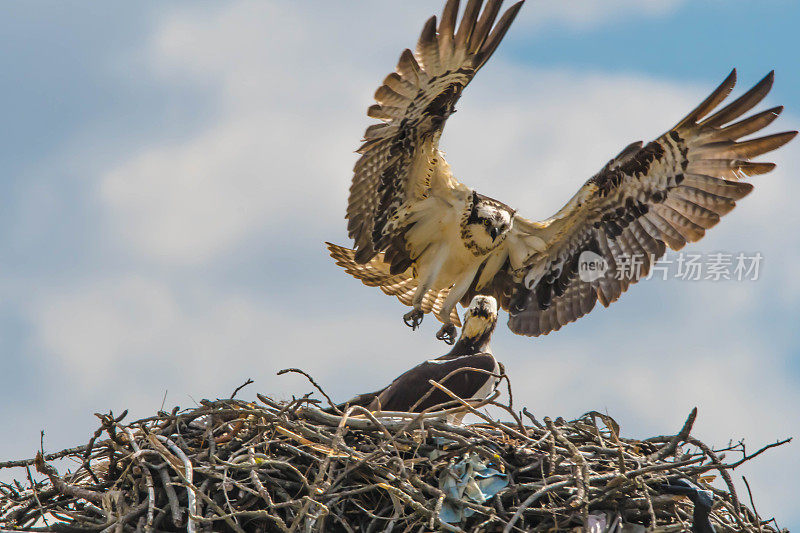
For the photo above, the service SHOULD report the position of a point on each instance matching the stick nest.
(232, 465)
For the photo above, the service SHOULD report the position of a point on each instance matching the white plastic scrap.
(602, 522)
(470, 479)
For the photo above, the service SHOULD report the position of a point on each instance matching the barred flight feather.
(689, 178)
(413, 223)
(414, 103)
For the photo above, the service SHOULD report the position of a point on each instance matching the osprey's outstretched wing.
(399, 158)
(375, 273)
(669, 191)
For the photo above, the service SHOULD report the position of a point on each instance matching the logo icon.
(591, 266)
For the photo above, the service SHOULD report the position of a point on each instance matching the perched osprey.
(425, 237)
(472, 351)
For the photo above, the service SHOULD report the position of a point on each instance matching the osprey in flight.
(432, 241)
(478, 379)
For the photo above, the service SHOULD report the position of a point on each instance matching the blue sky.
(172, 169)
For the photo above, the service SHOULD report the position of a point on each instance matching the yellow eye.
(486, 223)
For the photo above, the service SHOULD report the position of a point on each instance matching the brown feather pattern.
(375, 273)
(667, 193)
(414, 103)
(651, 196)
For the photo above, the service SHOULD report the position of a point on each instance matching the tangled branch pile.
(232, 465)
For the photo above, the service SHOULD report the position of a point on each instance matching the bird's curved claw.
(413, 318)
(447, 333)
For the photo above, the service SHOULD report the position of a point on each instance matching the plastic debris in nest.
(232, 465)
(469, 480)
(703, 501)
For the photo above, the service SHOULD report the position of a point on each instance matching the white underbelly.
(444, 263)
(443, 259)
(489, 386)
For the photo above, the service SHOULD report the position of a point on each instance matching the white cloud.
(582, 14)
(292, 98)
(289, 99)
(197, 340)
(540, 133)
(203, 343)
(651, 376)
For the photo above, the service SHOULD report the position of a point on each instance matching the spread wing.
(666, 193)
(399, 159)
(376, 273)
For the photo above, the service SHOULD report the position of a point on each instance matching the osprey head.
(487, 223)
(480, 318)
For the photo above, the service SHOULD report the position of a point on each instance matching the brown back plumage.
(398, 156)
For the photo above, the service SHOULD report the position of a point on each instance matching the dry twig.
(288, 466)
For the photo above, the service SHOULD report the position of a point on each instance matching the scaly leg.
(413, 318)
(448, 331)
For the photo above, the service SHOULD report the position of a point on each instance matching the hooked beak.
(493, 233)
(481, 311)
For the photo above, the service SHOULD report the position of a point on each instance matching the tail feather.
(364, 400)
(376, 273)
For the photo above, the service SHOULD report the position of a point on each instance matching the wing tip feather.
(497, 33)
(712, 100)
